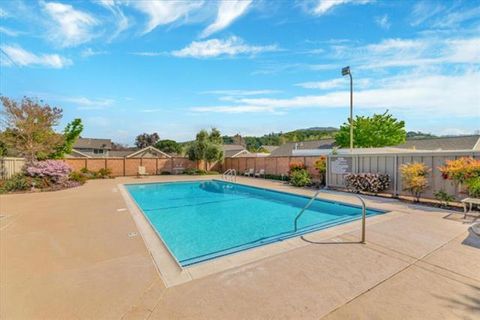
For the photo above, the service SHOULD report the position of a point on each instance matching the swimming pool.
(202, 220)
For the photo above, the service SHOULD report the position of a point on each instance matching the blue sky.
(248, 67)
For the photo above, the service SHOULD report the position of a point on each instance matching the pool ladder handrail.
(364, 212)
(230, 173)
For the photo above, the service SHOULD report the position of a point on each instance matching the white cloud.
(333, 84)
(455, 18)
(89, 52)
(411, 53)
(424, 10)
(233, 109)
(323, 6)
(165, 12)
(9, 32)
(122, 22)
(383, 22)
(216, 47)
(3, 13)
(70, 27)
(436, 15)
(324, 85)
(88, 103)
(447, 95)
(149, 53)
(16, 55)
(241, 92)
(228, 12)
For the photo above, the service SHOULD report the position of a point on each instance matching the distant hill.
(419, 135)
(253, 143)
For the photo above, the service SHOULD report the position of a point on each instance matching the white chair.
(260, 173)
(142, 171)
(249, 173)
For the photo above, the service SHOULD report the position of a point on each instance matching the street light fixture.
(346, 71)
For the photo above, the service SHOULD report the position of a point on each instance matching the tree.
(3, 148)
(70, 135)
(119, 146)
(206, 147)
(145, 140)
(380, 130)
(169, 146)
(29, 127)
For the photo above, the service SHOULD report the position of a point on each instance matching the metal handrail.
(364, 212)
(232, 173)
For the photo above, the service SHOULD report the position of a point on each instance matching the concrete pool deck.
(78, 254)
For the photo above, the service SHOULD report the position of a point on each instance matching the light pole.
(346, 71)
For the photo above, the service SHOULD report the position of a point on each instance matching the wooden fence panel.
(116, 166)
(10, 166)
(150, 165)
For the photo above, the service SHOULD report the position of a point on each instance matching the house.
(95, 148)
(234, 150)
(92, 147)
(269, 148)
(287, 149)
(326, 146)
(470, 142)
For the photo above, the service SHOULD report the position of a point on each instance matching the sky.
(250, 67)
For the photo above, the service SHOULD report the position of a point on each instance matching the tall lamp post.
(346, 71)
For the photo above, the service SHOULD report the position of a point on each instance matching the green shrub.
(444, 197)
(473, 187)
(165, 173)
(104, 173)
(277, 177)
(201, 172)
(18, 182)
(300, 178)
(198, 172)
(190, 171)
(78, 177)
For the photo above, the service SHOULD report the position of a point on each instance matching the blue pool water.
(202, 220)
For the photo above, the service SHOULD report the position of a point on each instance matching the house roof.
(148, 150)
(471, 142)
(76, 154)
(270, 148)
(286, 149)
(229, 147)
(120, 153)
(233, 150)
(91, 143)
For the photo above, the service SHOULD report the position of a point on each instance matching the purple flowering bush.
(53, 171)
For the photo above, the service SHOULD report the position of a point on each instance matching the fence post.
(124, 166)
(395, 176)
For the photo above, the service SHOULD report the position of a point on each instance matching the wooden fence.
(340, 165)
(129, 166)
(9, 166)
(272, 165)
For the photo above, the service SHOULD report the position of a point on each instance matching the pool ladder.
(230, 175)
(310, 202)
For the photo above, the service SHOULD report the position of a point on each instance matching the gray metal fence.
(10, 166)
(340, 165)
